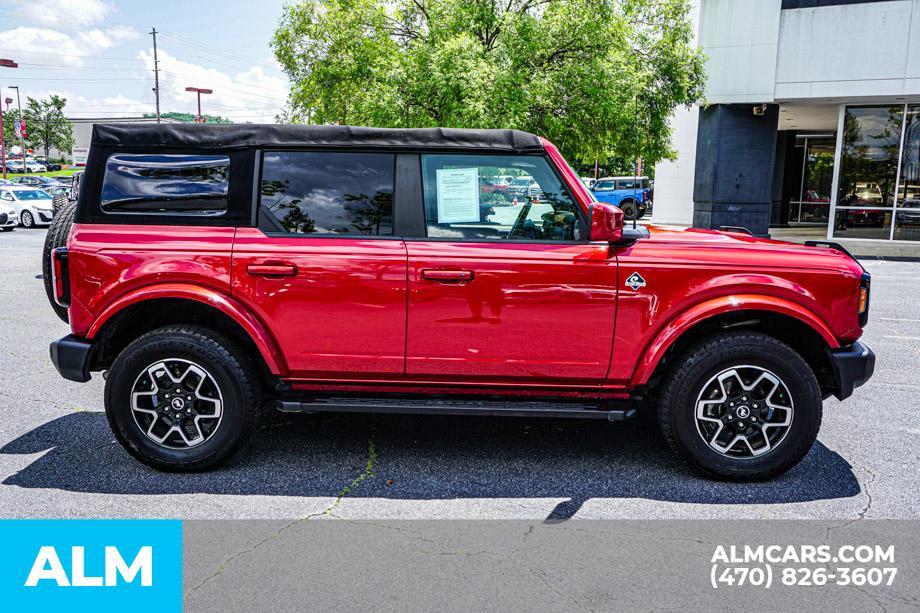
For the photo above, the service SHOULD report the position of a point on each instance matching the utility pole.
(2, 140)
(156, 72)
(6, 63)
(22, 140)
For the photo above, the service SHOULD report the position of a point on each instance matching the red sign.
(22, 129)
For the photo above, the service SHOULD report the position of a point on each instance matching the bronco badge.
(635, 281)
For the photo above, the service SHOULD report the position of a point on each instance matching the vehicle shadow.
(422, 457)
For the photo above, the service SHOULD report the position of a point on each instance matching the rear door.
(506, 293)
(323, 267)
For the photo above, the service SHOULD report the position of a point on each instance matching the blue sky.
(98, 54)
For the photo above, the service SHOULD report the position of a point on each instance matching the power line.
(188, 40)
(72, 55)
(53, 67)
(39, 19)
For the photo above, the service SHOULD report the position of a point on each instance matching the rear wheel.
(56, 237)
(182, 398)
(741, 406)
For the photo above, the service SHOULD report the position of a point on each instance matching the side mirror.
(606, 223)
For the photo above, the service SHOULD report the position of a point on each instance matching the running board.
(440, 406)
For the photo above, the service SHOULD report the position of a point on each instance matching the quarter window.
(166, 184)
(304, 192)
(465, 200)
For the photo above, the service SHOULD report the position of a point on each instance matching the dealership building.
(811, 117)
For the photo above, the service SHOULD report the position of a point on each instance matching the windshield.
(31, 194)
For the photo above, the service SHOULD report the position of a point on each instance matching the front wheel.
(741, 406)
(182, 398)
(26, 220)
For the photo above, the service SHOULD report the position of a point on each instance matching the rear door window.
(331, 193)
(166, 184)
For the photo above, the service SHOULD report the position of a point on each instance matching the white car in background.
(33, 206)
(9, 218)
(33, 165)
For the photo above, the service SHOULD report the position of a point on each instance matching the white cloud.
(65, 13)
(39, 45)
(251, 95)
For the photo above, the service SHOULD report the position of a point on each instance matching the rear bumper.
(853, 366)
(71, 357)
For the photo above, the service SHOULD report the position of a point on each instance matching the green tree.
(46, 126)
(190, 117)
(600, 78)
(9, 135)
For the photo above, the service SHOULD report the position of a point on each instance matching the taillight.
(60, 277)
(863, 301)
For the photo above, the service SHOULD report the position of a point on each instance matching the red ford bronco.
(211, 270)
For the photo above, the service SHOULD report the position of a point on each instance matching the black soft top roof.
(237, 136)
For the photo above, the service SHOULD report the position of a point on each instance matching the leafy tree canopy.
(599, 78)
(46, 126)
(190, 117)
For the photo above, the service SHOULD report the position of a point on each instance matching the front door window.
(464, 200)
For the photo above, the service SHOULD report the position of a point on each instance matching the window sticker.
(458, 195)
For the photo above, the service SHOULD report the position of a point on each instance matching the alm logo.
(635, 281)
(48, 567)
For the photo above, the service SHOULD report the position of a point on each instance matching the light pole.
(22, 140)
(199, 91)
(5, 64)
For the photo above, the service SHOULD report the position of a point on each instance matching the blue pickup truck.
(631, 194)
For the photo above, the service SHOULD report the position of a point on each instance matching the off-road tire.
(232, 370)
(702, 361)
(629, 208)
(56, 237)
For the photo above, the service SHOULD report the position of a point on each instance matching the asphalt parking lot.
(58, 458)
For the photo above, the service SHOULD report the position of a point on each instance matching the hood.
(738, 247)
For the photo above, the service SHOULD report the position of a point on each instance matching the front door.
(323, 268)
(501, 292)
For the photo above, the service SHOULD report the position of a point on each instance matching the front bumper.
(852, 366)
(71, 357)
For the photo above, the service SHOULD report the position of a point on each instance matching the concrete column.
(735, 153)
(785, 185)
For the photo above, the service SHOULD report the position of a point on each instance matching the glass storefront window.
(862, 223)
(817, 175)
(907, 216)
(869, 156)
(869, 196)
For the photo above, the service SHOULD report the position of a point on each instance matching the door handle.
(447, 276)
(272, 270)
